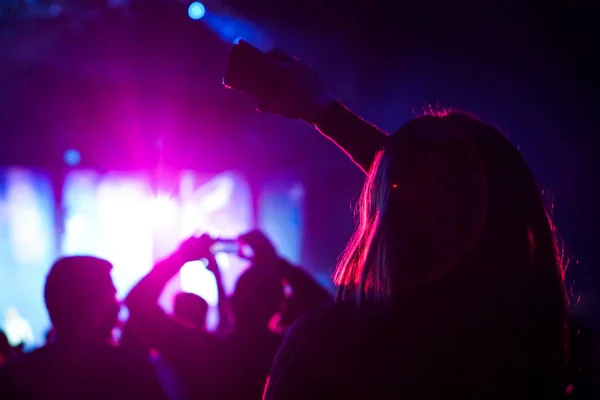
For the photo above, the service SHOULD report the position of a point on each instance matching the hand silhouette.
(299, 93)
(196, 248)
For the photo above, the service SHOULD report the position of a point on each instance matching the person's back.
(100, 371)
(378, 351)
(251, 347)
(196, 357)
(193, 352)
(249, 357)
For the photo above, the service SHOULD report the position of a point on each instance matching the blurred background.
(118, 139)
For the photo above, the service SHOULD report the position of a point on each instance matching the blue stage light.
(196, 10)
(72, 157)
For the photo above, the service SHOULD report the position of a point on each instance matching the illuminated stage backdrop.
(119, 217)
(26, 244)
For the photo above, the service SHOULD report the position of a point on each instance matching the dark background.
(139, 86)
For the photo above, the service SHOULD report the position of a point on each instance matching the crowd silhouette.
(451, 287)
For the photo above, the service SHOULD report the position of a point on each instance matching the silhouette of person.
(306, 292)
(82, 362)
(257, 298)
(252, 344)
(195, 355)
(451, 285)
(190, 309)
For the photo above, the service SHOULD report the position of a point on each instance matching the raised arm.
(223, 305)
(297, 91)
(359, 139)
(150, 322)
(142, 301)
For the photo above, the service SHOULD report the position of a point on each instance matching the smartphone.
(250, 70)
(232, 246)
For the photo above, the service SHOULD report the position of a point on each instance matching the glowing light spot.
(27, 227)
(18, 329)
(124, 232)
(163, 210)
(76, 225)
(196, 10)
(237, 40)
(72, 157)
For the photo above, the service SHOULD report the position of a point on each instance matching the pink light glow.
(117, 217)
(28, 235)
(125, 229)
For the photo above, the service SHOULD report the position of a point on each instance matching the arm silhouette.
(152, 323)
(223, 305)
(359, 139)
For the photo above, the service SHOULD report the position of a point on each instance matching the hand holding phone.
(250, 70)
(233, 246)
(282, 84)
(195, 248)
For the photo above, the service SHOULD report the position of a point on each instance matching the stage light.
(72, 157)
(196, 10)
(216, 193)
(163, 210)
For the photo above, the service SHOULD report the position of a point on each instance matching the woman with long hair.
(451, 285)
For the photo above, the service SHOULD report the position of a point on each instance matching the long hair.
(356, 269)
(449, 207)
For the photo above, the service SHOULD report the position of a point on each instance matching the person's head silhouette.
(257, 297)
(451, 214)
(190, 309)
(80, 298)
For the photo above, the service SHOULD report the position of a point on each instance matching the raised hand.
(299, 92)
(196, 248)
(264, 251)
